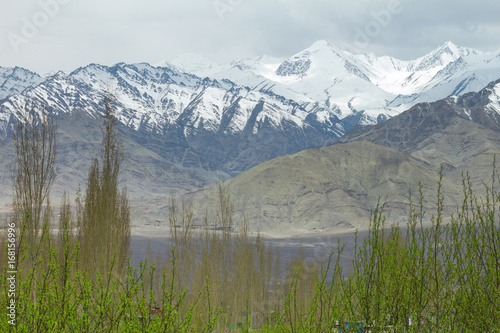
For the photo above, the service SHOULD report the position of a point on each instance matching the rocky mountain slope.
(337, 186)
(322, 85)
(359, 88)
(191, 122)
(181, 132)
(16, 80)
(462, 133)
(202, 113)
(330, 188)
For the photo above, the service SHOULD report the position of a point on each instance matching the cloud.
(84, 31)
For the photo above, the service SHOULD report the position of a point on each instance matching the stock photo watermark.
(225, 6)
(380, 20)
(32, 25)
(11, 273)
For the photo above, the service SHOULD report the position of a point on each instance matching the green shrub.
(438, 276)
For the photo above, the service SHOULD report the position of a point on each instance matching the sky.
(49, 35)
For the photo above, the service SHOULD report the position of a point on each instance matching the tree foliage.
(439, 275)
(35, 171)
(104, 219)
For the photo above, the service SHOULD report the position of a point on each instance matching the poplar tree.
(104, 221)
(34, 173)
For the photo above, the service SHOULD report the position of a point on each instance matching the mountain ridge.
(207, 128)
(323, 79)
(336, 187)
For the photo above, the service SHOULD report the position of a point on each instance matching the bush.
(422, 276)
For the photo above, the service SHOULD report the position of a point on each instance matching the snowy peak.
(16, 80)
(322, 59)
(322, 82)
(197, 64)
(320, 44)
(437, 71)
(459, 51)
(346, 84)
(296, 67)
(442, 56)
(152, 99)
(323, 47)
(493, 95)
(449, 48)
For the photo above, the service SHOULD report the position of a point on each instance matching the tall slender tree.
(104, 224)
(34, 173)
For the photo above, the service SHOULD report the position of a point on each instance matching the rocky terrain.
(190, 122)
(338, 185)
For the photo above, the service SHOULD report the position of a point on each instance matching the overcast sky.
(48, 35)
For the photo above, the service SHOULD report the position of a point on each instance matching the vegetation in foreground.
(437, 278)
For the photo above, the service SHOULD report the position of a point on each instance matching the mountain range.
(191, 121)
(337, 186)
(358, 88)
(321, 85)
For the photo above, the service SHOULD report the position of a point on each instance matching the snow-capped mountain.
(365, 87)
(320, 77)
(189, 122)
(459, 133)
(411, 77)
(195, 63)
(322, 87)
(338, 185)
(16, 80)
(151, 98)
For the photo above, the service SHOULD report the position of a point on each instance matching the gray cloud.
(82, 31)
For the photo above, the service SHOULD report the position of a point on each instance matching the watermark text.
(11, 273)
(31, 26)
